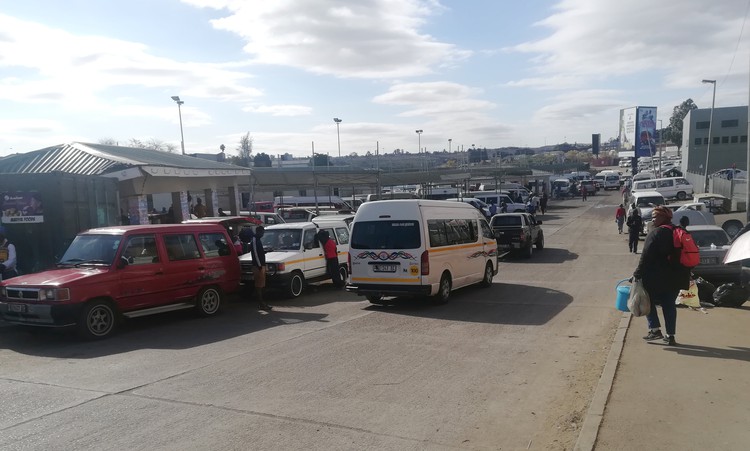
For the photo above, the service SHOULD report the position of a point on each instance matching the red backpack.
(683, 240)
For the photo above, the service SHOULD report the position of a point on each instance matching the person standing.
(503, 207)
(635, 225)
(332, 257)
(620, 217)
(199, 210)
(543, 202)
(663, 276)
(259, 266)
(7, 257)
(493, 209)
(583, 192)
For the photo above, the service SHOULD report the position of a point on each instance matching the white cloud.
(280, 110)
(362, 39)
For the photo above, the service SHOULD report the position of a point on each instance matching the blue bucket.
(623, 293)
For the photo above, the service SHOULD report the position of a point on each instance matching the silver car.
(713, 244)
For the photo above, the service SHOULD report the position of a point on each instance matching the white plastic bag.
(639, 302)
(689, 297)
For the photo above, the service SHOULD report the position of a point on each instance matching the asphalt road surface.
(512, 366)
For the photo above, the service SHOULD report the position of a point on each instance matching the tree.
(262, 160)
(674, 131)
(245, 149)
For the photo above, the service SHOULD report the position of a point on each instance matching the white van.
(489, 198)
(645, 201)
(419, 248)
(670, 187)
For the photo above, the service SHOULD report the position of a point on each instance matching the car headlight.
(54, 294)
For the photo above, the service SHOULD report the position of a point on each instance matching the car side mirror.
(122, 262)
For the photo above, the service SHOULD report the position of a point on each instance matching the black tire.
(682, 195)
(732, 227)
(208, 301)
(343, 274)
(529, 251)
(488, 275)
(296, 285)
(540, 242)
(444, 290)
(98, 320)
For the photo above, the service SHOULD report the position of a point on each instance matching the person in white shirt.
(7, 257)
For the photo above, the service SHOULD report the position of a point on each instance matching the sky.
(483, 73)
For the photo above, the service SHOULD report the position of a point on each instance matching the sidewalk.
(693, 396)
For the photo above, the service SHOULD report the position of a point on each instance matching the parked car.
(713, 244)
(645, 201)
(590, 187)
(730, 173)
(480, 205)
(489, 198)
(517, 233)
(126, 271)
(294, 256)
(232, 224)
(264, 217)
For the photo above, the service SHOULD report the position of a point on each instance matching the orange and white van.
(419, 248)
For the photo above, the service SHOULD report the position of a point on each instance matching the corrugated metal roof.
(98, 159)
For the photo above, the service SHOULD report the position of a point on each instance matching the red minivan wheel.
(209, 301)
(98, 320)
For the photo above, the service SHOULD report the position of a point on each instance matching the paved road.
(512, 366)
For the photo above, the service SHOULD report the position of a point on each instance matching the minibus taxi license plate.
(381, 267)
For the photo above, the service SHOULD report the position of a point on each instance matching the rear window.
(705, 238)
(386, 235)
(646, 201)
(502, 221)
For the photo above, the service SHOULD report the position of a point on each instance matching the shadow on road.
(732, 353)
(501, 303)
(546, 255)
(175, 330)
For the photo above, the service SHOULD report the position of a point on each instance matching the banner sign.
(645, 131)
(21, 207)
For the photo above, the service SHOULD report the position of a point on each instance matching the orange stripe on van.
(455, 247)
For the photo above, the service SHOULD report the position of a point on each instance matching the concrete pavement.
(693, 396)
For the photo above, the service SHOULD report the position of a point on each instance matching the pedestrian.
(258, 255)
(503, 207)
(635, 225)
(222, 212)
(583, 192)
(7, 257)
(530, 207)
(199, 210)
(493, 209)
(543, 202)
(620, 218)
(662, 275)
(332, 257)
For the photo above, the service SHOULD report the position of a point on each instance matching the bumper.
(273, 280)
(40, 314)
(389, 290)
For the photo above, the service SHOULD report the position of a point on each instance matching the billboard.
(21, 207)
(645, 131)
(627, 128)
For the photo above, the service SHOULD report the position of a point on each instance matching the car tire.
(343, 274)
(444, 290)
(682, 195)
(208, 301)
(488, 275)
(540, 242)
(732, 227)
(98, 320)
(296, 285)
(529, 251)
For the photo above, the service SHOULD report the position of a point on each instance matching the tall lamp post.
(179, 111)
(710, 128)
(338, 136)
(661, 143)
(419, 141)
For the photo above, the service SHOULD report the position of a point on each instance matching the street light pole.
(661, 143)
(179, 111)
(419, 141)
(710, 128)
(338, 136)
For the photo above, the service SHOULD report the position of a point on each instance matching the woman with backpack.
(663, 275)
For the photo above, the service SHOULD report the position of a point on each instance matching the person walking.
(662, 275)
(583, 192)
(332, 257)
(258, 255)
(7, 257)
(504, 207)
(493, 209)
(635, 225)
(620, 218)
(543, 202)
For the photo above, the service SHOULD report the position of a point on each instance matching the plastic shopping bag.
(689, 297)
(639, 302)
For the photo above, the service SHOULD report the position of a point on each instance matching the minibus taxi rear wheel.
(296, 285)
(488, 275)
(209, 301)
(444, 289)
(343, 273)
(98, 320)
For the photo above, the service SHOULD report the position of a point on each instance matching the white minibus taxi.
(670, 187)
(419, 248)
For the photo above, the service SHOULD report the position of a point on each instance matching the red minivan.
(126, 271)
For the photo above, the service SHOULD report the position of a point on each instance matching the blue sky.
(489, 73)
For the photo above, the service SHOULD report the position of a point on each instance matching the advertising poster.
(627, 128)
(645, 130)
(21, 207)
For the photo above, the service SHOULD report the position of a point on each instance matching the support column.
(138, 209)
(234, 200)
(211, 198)
(180, 206)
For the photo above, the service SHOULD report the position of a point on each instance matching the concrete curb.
(590, 429)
